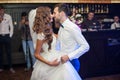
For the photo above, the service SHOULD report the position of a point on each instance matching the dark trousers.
(76, 64)
(5, 42)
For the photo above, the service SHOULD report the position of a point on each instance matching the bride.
(48, 65)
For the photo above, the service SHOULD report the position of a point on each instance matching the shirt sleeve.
(31, 18)
(11, 26)
(40, 36)
(112, 26)
(83, 45)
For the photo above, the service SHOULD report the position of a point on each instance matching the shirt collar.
(63, 24)
(116, 22)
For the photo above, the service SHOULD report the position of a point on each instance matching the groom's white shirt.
(71, 40)
(31, 18)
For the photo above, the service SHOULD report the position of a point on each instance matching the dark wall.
(115, 9)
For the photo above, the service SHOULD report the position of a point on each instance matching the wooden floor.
(108, 77)
(22, 75)
(19, 75)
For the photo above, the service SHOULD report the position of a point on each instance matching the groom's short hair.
(63, 7)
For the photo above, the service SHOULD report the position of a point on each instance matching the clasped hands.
(56, 62)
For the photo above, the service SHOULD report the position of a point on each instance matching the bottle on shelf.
(87, 9)
(107, 10)
(101, 8)
(79, 8)
(98, 9)
(82, 10)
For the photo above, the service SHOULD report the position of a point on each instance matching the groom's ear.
(62, 13)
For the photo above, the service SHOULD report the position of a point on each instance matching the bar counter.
(103, 58)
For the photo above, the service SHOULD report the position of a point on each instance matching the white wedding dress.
(43, 71)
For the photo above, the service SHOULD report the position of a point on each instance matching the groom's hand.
(64, 58)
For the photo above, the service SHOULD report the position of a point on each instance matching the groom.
(72, 42)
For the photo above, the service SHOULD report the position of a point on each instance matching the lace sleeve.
(40, 36)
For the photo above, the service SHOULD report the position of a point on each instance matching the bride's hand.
(54, 62)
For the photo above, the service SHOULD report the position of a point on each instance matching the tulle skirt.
(64, 71)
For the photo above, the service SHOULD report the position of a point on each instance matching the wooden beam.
(60, 1)
(115, 1)
(94, 1)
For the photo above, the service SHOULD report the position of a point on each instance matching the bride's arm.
(39, 57)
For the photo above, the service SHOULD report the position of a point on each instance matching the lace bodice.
(45, 46)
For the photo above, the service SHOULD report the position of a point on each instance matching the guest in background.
(27, 42)
(79, 19)
(76, 17)
(90, 23)
(72, 17)
(116, 23)
(6, 33)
